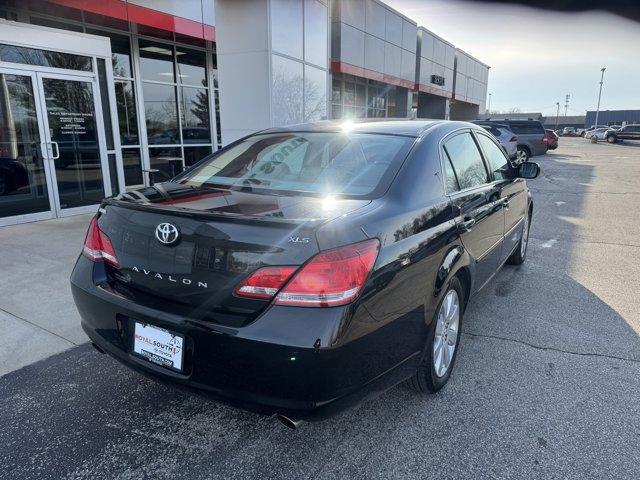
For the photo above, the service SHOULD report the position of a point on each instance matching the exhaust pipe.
(288, 422)
(97, 348)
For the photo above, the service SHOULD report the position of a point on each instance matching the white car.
(599, 133)
(506, 137)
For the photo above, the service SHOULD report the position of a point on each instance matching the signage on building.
(437, 79)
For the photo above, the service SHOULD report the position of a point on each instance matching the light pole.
(600, 93)
(557, 114)
(566, 103)
(489, 107)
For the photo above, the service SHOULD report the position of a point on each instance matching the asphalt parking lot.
(547, 383)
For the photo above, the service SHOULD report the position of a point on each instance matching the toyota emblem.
(167, 234)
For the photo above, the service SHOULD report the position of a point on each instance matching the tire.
(520, 254)
(430, 377)
(612, 139)
(522, 154)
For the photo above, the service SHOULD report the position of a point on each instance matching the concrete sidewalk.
(37, 315)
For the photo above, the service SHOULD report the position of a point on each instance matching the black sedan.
(300, 269)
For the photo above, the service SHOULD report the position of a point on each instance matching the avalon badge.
(167, 234)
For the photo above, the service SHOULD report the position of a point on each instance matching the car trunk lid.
(223, 236)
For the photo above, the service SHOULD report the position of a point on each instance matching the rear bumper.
(249, 367)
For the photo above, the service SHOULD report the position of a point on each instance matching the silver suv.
(530, 137)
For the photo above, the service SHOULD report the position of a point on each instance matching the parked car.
(592, 128)
(628, 132)
(530, 137)
(569, 132)
(300, 269)
(13, 175)
(598, 133)
(508, 140)
(551, 138)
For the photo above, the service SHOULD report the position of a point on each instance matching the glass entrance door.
(52, 150)
(74, 143)
(25, 185)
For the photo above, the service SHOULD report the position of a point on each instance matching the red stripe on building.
(433, 90)
(341, 67)
(122, 10)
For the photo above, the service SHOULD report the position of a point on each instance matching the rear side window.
(529, 128)
(496, 159)
(466, 160)
(493, 130)
(450, 177)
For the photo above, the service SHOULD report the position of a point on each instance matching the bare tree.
(296, 99)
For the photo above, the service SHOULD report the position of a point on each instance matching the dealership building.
(98, 97)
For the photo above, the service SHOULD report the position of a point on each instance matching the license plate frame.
(159, 346)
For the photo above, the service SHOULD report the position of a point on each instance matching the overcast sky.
(537, 56)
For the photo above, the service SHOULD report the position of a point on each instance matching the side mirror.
(528, 170)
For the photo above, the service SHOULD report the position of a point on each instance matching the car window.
(527, 128)
(466, 160)
(450, 176)
(496, 159)
(304, 162)
(495, 131)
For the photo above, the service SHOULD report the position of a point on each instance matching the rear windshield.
(358, 164)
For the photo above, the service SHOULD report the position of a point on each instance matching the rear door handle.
(466, 225)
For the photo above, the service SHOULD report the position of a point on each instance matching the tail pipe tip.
(289, 422)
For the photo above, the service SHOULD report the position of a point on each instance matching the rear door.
(631, 132)
(530, 134)
(479, 216)
(511, 192)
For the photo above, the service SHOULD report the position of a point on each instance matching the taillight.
(514, 138)
(264, 283)
(331, 278)
(98, 247)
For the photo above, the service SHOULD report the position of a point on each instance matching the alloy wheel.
(446, 334)
(522, 156)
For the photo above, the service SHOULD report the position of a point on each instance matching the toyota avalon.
(302, 269)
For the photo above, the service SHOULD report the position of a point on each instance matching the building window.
(194, 115)
(161, 114)
(315, 33)
(127, 117)
(174, 83)
(355, 97)
(176, 105)
(156, 61)
(315, 93)
(286, 27)
(286, 90)
(44, 58)
(299, 72)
